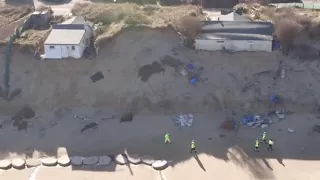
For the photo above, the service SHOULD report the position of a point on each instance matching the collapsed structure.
(236, 33)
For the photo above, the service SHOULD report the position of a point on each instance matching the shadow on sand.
(195, 156)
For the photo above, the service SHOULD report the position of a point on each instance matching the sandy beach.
(228, 157)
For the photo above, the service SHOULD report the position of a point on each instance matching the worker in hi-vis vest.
(167, 138)
(264, 138)
(270, 145)
(256, 145)
(193, 147)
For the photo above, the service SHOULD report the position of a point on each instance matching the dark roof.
(237, 30)
(68, 26)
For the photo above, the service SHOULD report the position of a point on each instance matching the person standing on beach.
(257, 145)
(193, 147)
(270, 145)
(264, 138)
(167, 138)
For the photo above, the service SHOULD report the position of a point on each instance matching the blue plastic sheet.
(246, 119)
(193, 80)
(190, 66)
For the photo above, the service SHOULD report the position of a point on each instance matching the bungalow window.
(220, 42)
(51, 47)
(73, 48)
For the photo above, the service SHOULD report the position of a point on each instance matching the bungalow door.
(64, 51)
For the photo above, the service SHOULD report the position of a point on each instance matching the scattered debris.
(316, 128)
(288, 112)
(190, 66)
(194, 73)
(290, 130)
(92, 125)
(249, 85)
(108, 118)
(184, 120)
(193, 80)
(275, 99)
(183, 72)
(127, 117)
(283, 72)
(97, 77)
(262, 73)
(146, 71)
(84, 118)
(278, 72)
(255, 121)
(280, 114)
(264, 121)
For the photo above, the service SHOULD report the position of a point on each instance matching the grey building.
(235, 36)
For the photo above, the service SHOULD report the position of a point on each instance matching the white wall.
(87, 36)
(234, 45)
(63, 51)
(54, 53)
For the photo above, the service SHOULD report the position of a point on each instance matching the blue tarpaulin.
(246, 119)
(275, 99)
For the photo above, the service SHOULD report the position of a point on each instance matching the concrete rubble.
(184, 120)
